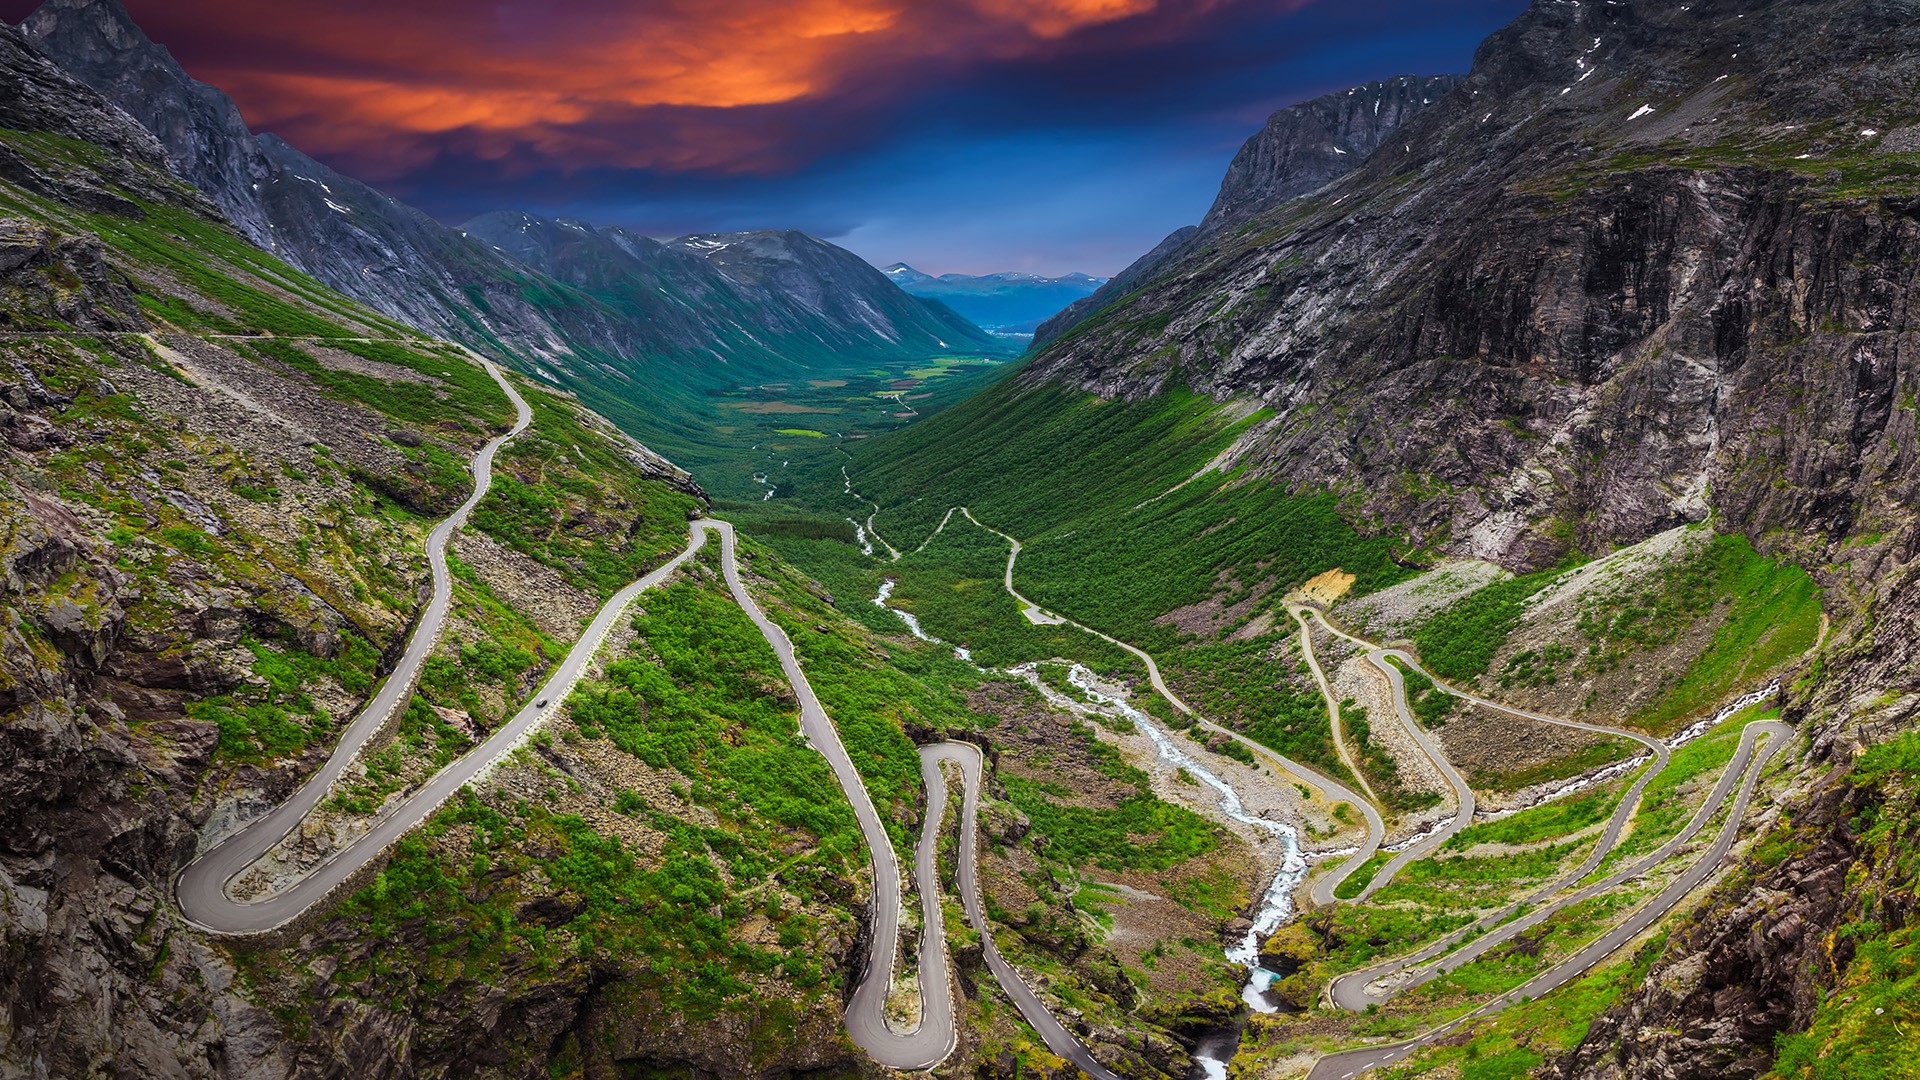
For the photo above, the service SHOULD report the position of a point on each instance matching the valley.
(1448, 613)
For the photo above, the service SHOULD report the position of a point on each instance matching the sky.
(965, 136)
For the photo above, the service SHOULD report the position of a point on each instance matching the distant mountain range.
(642, 330)
(1010, 304)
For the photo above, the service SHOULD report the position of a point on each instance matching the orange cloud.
(1056, 18)
(367, 76)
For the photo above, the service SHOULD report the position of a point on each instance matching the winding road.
(1334, 721)
(968, 758)
(1360, 989)
(203, 887)
(1748, 762)
(1330, 789)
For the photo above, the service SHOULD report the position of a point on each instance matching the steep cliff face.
(206, 140)
(1576, 296)
(1301, 148)
(1308, 145)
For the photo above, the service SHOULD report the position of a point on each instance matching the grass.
(872, 694)
(1664, 811)
(1512, 1043)
(1459, 641)
(1141, 833)
(565, 495)
(1119, 548)
(1563, 817)
(1254, 687)
(1429, 704)
(460, 393)
(1357, 881)
(957, 589)
(1771, 615)
(260, 723)
(701, 700)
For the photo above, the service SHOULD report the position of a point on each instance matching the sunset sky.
(958, 135)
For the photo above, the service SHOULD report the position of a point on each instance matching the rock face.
(1309, 145)
(1729, 985)
(1568, 311)
(49, 280)
(42, 98)
(206, 140)
(1302, 147)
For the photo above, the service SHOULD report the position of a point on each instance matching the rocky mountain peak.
(206, 138)
(1305, 146)
(1302, 148)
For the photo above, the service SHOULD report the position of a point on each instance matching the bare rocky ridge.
(1301, 148)
(206, 139)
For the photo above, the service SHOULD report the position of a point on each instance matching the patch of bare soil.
(1394, 613)
(342, 360)
(1226, 608)
(1495, 749)
(1327, 589)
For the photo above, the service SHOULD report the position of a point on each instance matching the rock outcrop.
(60, 282)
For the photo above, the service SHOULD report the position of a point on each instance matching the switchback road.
(968, 758)
(1747, 762)
(202, 886)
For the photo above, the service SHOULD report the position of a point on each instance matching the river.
(1276, 906)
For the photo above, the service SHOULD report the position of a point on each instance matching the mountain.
(1301, 148)
(1007, 303)
(1638, 283)
(827, 282)
(269, 554)
(904, 276)
(643, 334)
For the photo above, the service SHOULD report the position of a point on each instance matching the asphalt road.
(1748, 762)
(967, 757)
(202, 885)
(933, 1040)
(1333, 705)
(1462, 791)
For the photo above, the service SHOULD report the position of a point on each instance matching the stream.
(1214, 1051)
(1276, 907)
